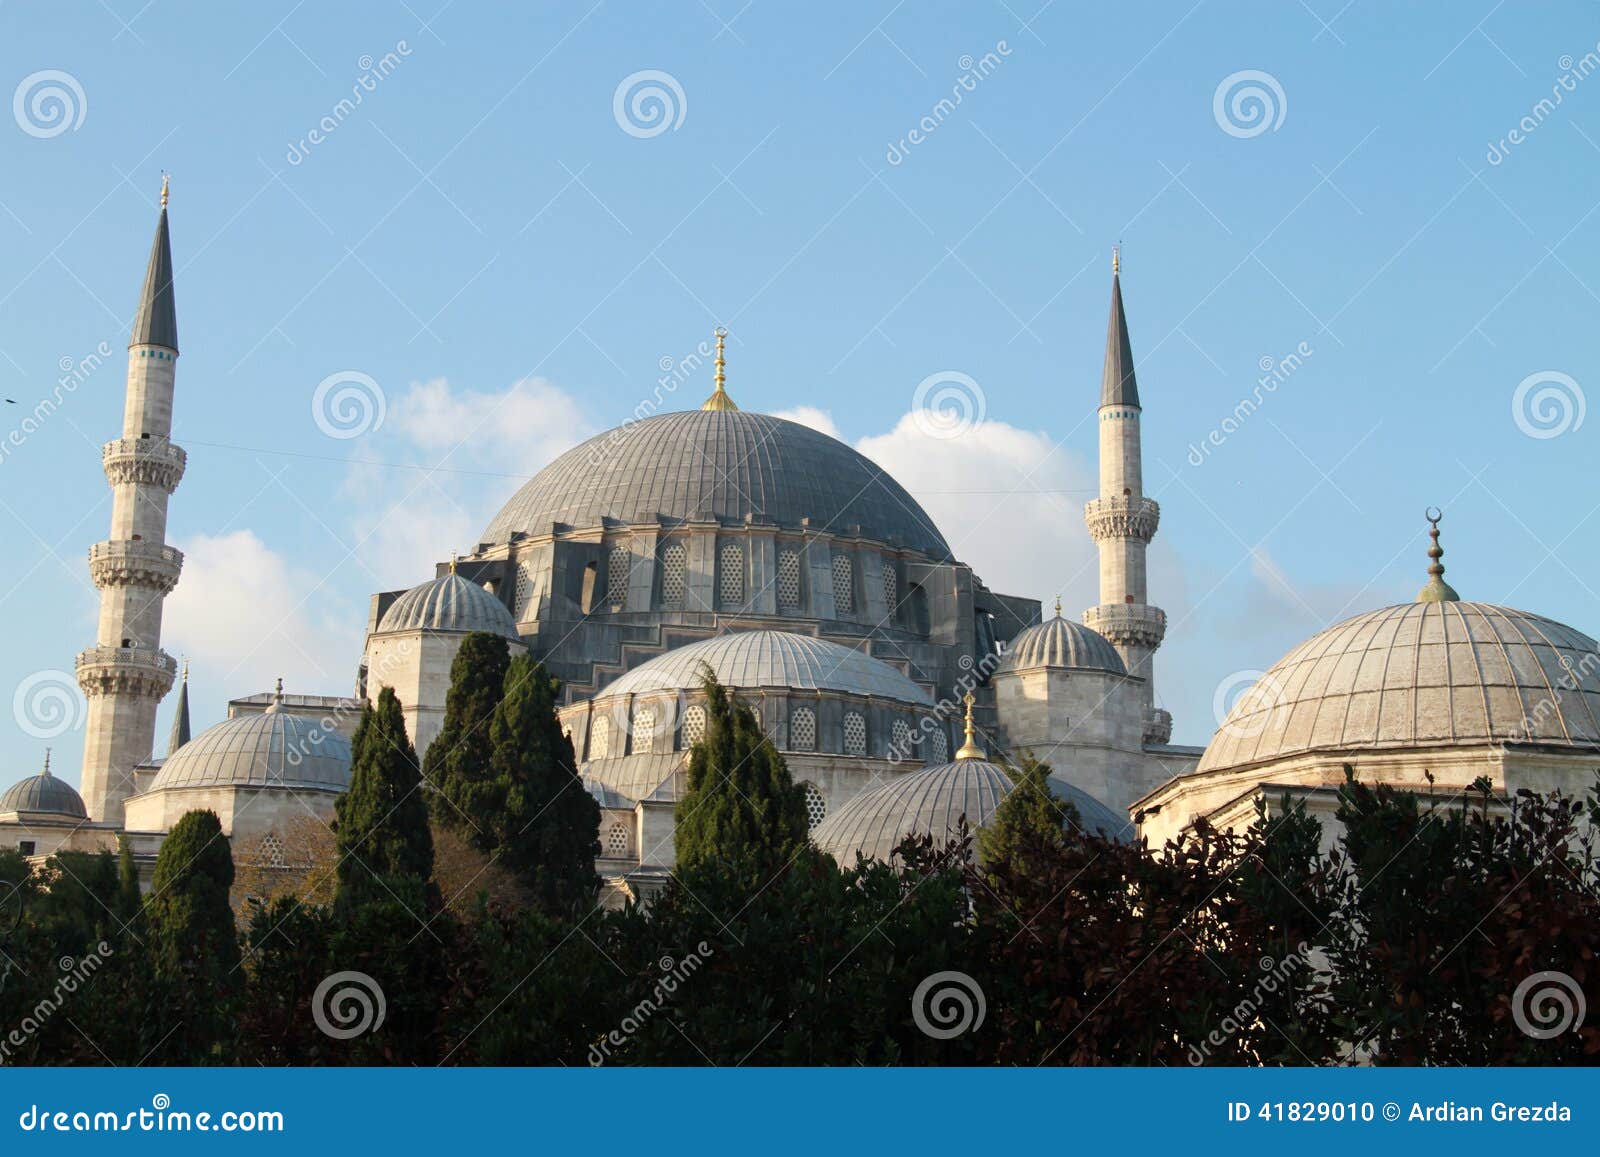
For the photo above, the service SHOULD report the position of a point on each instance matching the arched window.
(644, 730)
(816, 806)
(600, 738)
(694, 726)
(891, 589)
(730, 583)
(844, 585)
(618, 840)
(524, 589)
(855, 733)
(803, 729)
(617, 566)
(789, 580)
(900, 739)
(674, 562)
(938, 745)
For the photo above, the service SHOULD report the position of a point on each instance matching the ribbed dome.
(751, 659)
(723, 465)
(44, 793)
(1423, 674)
(1061, 642)
(449, 603)
(265, 749)
(932, 801)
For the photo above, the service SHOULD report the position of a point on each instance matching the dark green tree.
(456, 764)
(384, 847)
(741, 806)
(1029, 821)
(534, 810)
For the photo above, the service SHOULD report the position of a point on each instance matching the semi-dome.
(1061, 643)
(724, 465)
(1417, 675)
(449, 603)
(271, 748)
(751, 659)
(44, 793)
(932, 802)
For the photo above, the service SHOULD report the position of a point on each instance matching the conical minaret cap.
(156, 323)
(1118, 386)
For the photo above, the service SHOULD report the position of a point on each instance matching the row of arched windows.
(647, 734)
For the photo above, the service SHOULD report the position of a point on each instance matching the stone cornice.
(1122, 517)
(126, 670)
(155, 461)
(141, 564)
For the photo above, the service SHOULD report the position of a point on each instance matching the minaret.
(1123, 521)
(125, 675)
(179, 735)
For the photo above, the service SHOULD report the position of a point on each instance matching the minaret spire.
(180, 717)
(1122, 520)
(125, 674)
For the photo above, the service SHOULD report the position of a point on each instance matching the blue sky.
(483, 239)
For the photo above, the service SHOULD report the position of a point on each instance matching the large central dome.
(722, 465)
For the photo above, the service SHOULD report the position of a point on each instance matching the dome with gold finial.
(1064, 644)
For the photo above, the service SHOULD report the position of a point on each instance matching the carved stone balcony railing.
(131, 670)
(1128, 624)
(1158, 726)
(142, 564)
(1122, 517)
(154, 460)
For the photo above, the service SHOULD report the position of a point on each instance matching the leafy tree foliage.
(456, 764)
(1031, 818)
(384, 848)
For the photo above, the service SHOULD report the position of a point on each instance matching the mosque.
(893, 680)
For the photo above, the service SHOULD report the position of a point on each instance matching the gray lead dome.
(44, 793)
(266, 749)
(720, 465)
(1062, 643)
(449, 603)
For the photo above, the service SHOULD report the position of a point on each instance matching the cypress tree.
(383, 844)
(1030, 822)
(456, 765)
(534, 811)
(194, 948)
(741, 807)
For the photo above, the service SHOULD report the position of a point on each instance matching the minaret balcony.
(1128, 624)
(1158, 726)
(139, 564)
(146, 671)
(1121, 516)
(156, 461)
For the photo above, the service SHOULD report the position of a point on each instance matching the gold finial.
(277, 698)
(1058, 606)
(1436, 590)
(971, 748)
(1116, 259)
(452, 562)
(719, 399)
(165, 181)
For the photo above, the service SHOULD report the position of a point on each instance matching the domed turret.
(449, 603)
(1063, 644)
(271, 748)
(45, 794)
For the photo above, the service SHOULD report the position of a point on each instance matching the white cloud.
(813, 417)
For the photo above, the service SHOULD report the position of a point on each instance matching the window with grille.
(600, 738)
(789, 580)
(271, 852)
(803, 729)
(938, 746)
(855, 733)
(644, 730)
(900, 739)
(844, 587)
(524, 589)
(730, 584)
(674, 563)
(618, 840)
(694, 725)
(891, 587)
(617, 576)
(816, 806)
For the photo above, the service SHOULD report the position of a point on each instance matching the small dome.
(44, 793)
(449, 603)
(932, 801)
(1061, 643)
(266, 749)
(752, 659)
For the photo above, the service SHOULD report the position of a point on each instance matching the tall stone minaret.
(125, 675)
(1123, 521)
